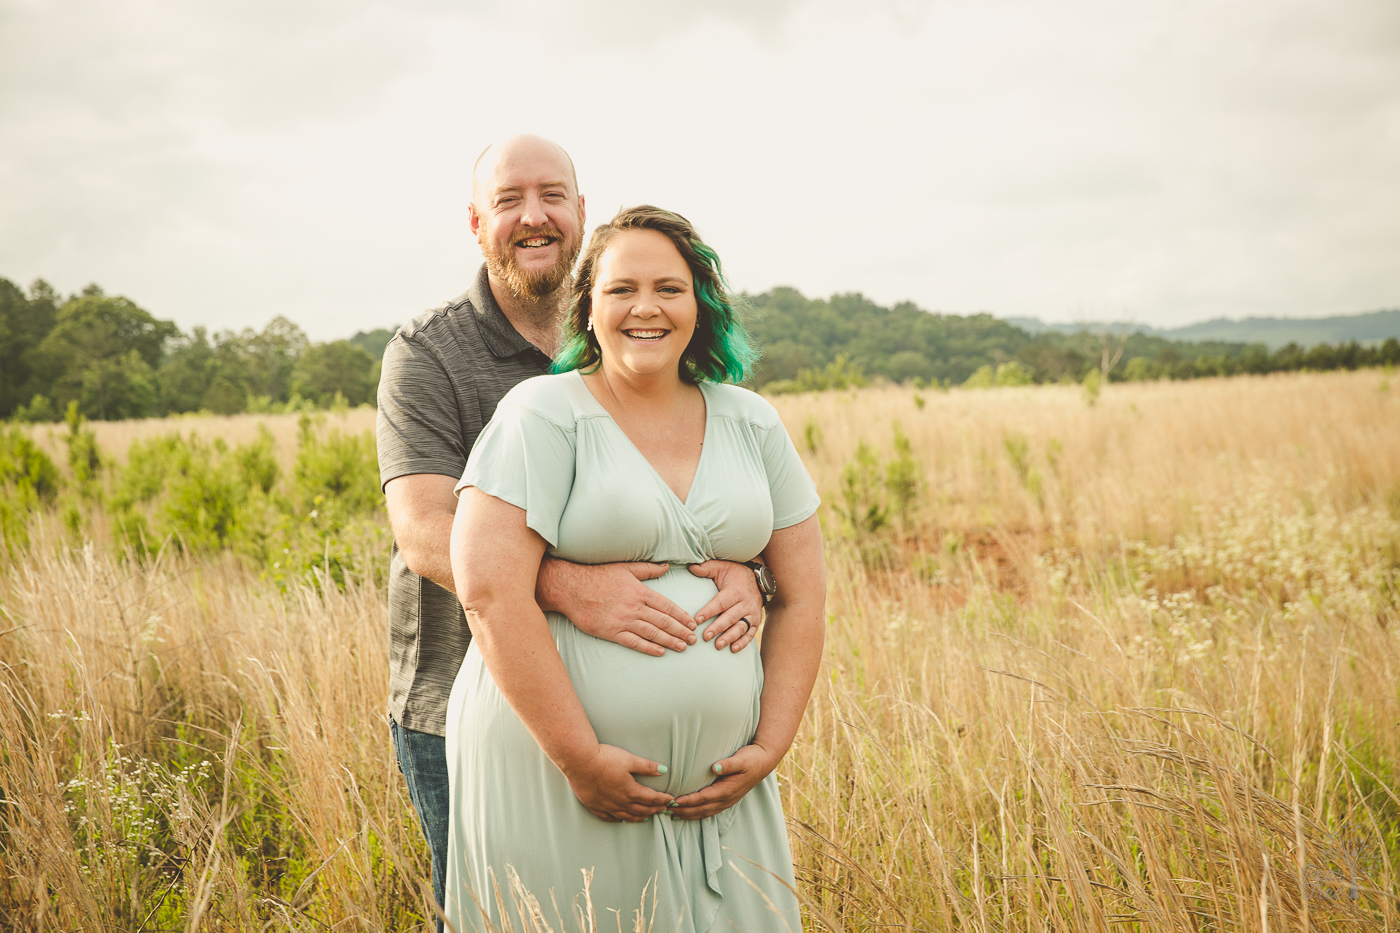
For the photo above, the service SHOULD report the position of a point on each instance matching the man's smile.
(537, 240)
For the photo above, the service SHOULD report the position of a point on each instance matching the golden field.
(1128, 666)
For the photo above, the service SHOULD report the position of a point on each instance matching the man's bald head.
(524, 148)
(527, 216)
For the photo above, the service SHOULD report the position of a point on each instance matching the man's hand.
(609, 601)
(605, 785)
(737, 775)
(738, 600)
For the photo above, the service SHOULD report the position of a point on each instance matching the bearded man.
(443, 375)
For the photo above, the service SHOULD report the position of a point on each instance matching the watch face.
(766, 581)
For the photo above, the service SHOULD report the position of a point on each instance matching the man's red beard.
(537, 284)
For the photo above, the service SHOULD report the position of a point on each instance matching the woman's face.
(643, 305)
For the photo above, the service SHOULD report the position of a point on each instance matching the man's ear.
(582, 215)
(474, 221)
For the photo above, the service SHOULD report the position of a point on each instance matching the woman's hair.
(720, 349)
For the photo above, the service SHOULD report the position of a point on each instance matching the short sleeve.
(418, 428)
(793, 493)
(527, 460)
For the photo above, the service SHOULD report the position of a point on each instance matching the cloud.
(1178, 159)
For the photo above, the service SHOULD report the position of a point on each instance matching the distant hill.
(1034, 325)
(1273, 332)
(1277, 332)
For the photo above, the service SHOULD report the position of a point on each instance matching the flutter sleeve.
(793, 493)
(527, 460)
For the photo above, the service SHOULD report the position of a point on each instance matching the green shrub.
(24, 465)
(150, 463)
(1013, 374)
(904, 479)
(203, 504)
(338, 474)
(39, 410)
(1006, 374)
(257, 462)
(28, 479)
(840, 373)
(195, 493)
(880, 500)
(1018, 453)
(324, 519)
(1093, 385)
(84, 456)
(984, 378)
(319, 521)
(863, 509)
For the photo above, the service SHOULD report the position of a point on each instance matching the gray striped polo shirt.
(444, 373)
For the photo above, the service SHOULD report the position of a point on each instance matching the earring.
(589, 328)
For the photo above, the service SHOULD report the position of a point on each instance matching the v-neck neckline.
(704, 441)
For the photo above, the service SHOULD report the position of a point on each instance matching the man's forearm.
(552, 579)
(421, 508)
(611, 601)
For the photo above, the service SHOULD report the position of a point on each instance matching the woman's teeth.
(646, 334)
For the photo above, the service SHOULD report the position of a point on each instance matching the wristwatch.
(767, 583)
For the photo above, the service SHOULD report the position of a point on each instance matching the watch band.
(767, 583)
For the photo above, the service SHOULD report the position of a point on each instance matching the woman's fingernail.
(670, 805)
(662, 769)
(719, 768)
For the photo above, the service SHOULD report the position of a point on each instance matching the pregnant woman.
(571, 756)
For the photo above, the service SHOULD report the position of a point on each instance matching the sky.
(1161, 161)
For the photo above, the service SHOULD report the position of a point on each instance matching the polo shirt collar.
(497, 332)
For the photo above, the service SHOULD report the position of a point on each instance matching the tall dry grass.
(1150, 460)
(116, 437)
(1136, 665)
(1133, 666)
(184, 748)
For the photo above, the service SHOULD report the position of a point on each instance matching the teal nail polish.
(670, 805)
(719, 768)
(662, 769)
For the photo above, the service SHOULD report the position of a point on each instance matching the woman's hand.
(604, 784)
(738, 774)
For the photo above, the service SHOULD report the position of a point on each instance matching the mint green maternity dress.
(553, 451)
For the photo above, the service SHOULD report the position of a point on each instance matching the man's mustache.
(530, 233)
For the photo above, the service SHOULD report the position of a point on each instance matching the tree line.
(114, 360)
(814, 343)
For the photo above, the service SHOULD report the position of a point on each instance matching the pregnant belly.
(686, 709)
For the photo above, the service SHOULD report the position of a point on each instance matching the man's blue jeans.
(423, 762)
